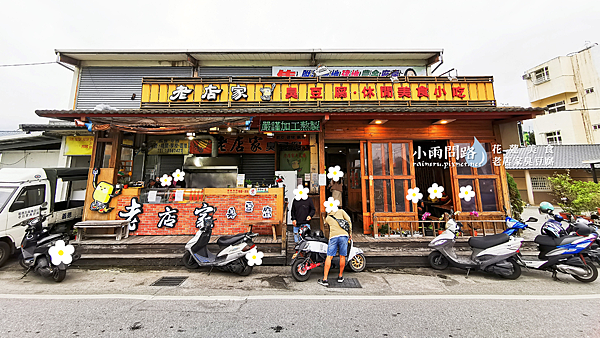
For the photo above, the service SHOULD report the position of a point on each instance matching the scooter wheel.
(516, 270)
(299, 271)
(590, 276)
(59, 275)
(437, 260)
(22, 262)
(246, 271)
(358, 263)
(189, 261)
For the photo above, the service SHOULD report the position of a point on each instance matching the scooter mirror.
(531, 219)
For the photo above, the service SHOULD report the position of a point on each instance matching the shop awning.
(206, 118)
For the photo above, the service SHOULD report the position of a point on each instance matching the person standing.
(338, 241)
(336, 190)
(303, 211)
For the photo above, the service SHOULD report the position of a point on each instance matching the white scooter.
(238, 254)
(495, 253)
(311, 252)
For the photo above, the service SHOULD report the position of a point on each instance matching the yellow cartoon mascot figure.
(103, 192)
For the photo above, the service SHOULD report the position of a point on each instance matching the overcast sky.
(478, 38)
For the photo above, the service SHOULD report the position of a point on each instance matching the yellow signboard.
(169, 147)
(79, 145)
(299, 90)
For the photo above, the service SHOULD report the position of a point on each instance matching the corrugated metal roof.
(426, 57)
(285, 111)
(565, 156)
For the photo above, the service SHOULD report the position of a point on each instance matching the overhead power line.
(28, 64)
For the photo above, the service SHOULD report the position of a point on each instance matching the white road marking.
(302, 297)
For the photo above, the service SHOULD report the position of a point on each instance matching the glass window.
(106, 157)
(382, 195)
(400, 193)
(487, 190)
(487, 168)
(401, 159)
(554, 137)
(29, 197)
(365, 158)
(462, 168)
(381, 160)
(467, 206)
(5, 194)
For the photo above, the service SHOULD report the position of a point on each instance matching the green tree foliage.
(573, 196)
(516, 203)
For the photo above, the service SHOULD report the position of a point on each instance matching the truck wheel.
(4, 252)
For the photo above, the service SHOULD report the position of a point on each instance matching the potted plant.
(248, 183)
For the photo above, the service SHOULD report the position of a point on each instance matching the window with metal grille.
(554, 137)
(589, 90)
(556, 107)
(574, 99)
(540, 183)
(541, 75)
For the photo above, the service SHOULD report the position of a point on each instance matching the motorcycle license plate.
(294, 255)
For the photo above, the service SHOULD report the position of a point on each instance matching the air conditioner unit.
(527, 76)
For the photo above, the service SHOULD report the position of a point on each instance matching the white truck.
(27, 192)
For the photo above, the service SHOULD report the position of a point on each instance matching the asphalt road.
(269, 303)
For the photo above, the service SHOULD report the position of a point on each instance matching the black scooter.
(39, 245)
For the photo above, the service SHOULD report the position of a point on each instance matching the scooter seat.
(229, 240)
(318, 239)
(544, 240)
(488, 241)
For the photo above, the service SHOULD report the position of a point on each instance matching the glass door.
(387, 174)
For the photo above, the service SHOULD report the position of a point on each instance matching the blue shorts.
(338, 243)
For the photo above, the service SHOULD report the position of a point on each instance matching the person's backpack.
(343, 224)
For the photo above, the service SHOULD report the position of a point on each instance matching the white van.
(25, 192)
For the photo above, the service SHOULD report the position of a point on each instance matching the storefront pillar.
(529, 188)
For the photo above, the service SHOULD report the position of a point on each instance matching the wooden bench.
(121, 228)
(274, 223)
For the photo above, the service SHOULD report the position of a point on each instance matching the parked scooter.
(495, 253)
(238, 254)
(46, 254)
(311, 252)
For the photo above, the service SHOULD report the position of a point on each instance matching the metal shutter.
(233, 71)
(167, 164)
(259, 167)
(114, 86)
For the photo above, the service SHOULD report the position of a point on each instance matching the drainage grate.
(348, 283)
(169, 281)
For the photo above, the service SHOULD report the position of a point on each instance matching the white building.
(568, 87)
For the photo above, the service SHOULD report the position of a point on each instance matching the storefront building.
(228, 119)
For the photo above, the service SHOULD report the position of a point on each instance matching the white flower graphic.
(59, 253)
(331, 205)
(466, 193)
(335, 173)
(414, 195)
(254, 257)
(300, 193)
(165, 180)
(178, 175)
(435, 191)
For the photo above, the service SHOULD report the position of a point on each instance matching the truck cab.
(28, 192)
